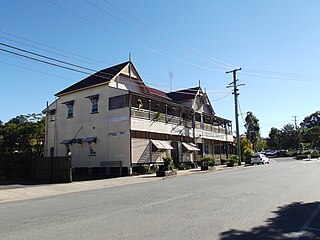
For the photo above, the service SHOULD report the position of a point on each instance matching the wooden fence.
(52, 169)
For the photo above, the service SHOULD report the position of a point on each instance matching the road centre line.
(307, 223)
(166, 200)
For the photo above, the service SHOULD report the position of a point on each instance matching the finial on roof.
(129, 56)
(199, 83)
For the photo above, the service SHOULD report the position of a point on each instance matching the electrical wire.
(54, 48)
(224, 64)
(48, 51)
(134, 42)
(151, 35)
(99, 74)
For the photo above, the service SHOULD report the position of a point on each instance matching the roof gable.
(185, 94)
(103, 76)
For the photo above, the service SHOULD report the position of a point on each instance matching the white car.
(259, 158)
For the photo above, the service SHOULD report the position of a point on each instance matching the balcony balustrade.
(162, 117)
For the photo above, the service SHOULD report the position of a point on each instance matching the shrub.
(248, 154)
(144, 168)
(158, 116)
(210, 160)
(168, 163)
(231, 162)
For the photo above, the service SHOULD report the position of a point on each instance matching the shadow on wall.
(294, 221)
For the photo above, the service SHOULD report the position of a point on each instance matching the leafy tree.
(274, 140)
(261, 145)
(291, 137)
(253, 128)
(246, 148)
(311, 136)
(23, 134)
(311, 121)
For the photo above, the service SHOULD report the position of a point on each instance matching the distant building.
(111, 122)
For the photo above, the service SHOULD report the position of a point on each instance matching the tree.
(311, 136)
(246, 148)
(261, 145)
(310, 130)
(291, 137)
(311, 121)
(253, 128)
(23, 134)
(274, 140)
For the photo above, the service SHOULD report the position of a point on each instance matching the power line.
(43, 56)
(266, 72)
(169, 37)
(42, 61)
(134, 42)
(54, 48)
(150, 35)
(48, 51)
(99, 74)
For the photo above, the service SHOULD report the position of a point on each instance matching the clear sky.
(276, 43)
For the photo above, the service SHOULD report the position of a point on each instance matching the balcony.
(167, 119)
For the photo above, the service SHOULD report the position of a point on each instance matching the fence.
(15, 167)
(52, 169)
(23, 168)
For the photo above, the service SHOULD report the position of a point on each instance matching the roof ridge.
(99, 77)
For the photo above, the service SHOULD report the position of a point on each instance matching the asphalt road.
(276, 201)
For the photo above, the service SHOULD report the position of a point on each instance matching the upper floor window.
(69, 105)
(118, 102)
(52, 114)
(94, 103)
(70, 109)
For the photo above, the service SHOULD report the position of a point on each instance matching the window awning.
(66, 141)
(190, 147)
(162, 144)
(90, 139)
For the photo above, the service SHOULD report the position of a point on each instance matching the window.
(51, 151)
(94, 102)
(92, 149)
(70, 105)
(206, 149)
(52, 115)
(118, 102)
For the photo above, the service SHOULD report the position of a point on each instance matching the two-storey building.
(111, 122)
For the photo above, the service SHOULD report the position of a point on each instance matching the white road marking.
(293, 166)
(307, 223)
(166, 200)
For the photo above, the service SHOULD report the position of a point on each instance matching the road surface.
(276, 201)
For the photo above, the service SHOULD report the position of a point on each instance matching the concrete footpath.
(18, 192)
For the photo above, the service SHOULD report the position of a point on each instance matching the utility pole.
(170, 75)
(236, 94)
(295, 121)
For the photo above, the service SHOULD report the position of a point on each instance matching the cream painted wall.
(85, 124)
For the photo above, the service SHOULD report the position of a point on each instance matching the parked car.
(259, 158)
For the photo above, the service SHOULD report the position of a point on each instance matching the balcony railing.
(162, 117)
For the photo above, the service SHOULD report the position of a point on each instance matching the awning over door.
(162, 145)
(90, 139)
(190, 147)
(66, 141)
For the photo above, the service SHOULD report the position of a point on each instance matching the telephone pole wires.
(236, 94)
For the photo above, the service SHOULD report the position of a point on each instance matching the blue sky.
(276, 43)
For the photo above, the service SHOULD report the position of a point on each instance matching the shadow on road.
(288, 222)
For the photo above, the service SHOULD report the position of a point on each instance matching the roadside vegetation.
(300, 141)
